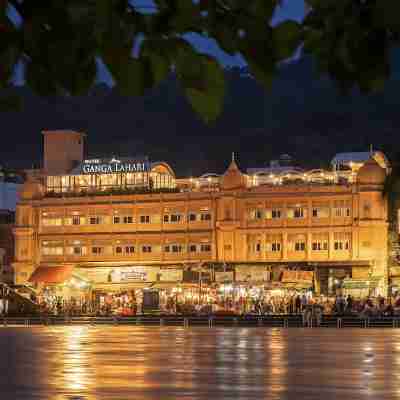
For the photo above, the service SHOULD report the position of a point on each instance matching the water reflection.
(199, 363)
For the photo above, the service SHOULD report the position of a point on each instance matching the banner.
(224, 276)
(252, 274)
(121, 274)
(171, 275)
(297, 276)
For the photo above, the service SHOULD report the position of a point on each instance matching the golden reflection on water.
(142, 363)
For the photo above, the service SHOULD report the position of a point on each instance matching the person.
(317, 311)
(303, 302)
(297, 305)
(307, 315)
(339, 304)
(349, 304)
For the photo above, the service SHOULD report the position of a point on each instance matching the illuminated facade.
(131, 223)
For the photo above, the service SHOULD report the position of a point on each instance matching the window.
(97, 250)
(205, 248)
(297, 211)
(173, 248)
(255, 214)
(145, 219)
(78, 251)
(192, 248)
(275, 214)
(320, 209)
(118, 250)
(129, 249)
(342, 208)
(341, 241)
(275, 247)
(95, 220)
(177, 248)
(128, 220)
(319, 242)
(74, 220)
(51, 220)
(53, 248)
(173, 218)
(146, 249)
(176, 218)
(205, 217)
(192, 217)
(319, 246)
(297, 243)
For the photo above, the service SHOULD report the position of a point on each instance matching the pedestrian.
(297, 305)
(349, 304)
(304, 302)
(317, 311)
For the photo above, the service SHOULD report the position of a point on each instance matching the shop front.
(119, 289)
(61, 289)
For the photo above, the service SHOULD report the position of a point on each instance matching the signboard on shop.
(171, 275)
(252, 274)
(297, 276)
(224, 276)
(122, 274)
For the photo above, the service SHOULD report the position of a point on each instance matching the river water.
(114, 362)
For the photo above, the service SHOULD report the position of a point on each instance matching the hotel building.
(122, 224)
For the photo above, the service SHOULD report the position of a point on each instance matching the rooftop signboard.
(114, 166)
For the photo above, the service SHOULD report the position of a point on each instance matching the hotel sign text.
(113, 166)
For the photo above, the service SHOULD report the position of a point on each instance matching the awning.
(165, 285)
(116, 287)
(51, 275)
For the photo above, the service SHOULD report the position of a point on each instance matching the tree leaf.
(287, 37)
(208, 103)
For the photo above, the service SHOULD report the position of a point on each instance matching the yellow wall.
(228, 231)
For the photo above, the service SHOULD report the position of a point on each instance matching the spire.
(371, 149)
(232, 178)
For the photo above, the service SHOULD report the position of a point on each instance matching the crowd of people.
(300, 303)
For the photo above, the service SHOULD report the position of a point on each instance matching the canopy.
(122, 286)
(52, 275)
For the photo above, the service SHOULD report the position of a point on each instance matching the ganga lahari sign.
(114, 166)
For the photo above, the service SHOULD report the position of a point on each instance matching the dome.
(371, 173)
(233, 178)
(31, 189)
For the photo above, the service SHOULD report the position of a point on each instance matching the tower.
(63, 150)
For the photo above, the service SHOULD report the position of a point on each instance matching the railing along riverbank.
(267, 321)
